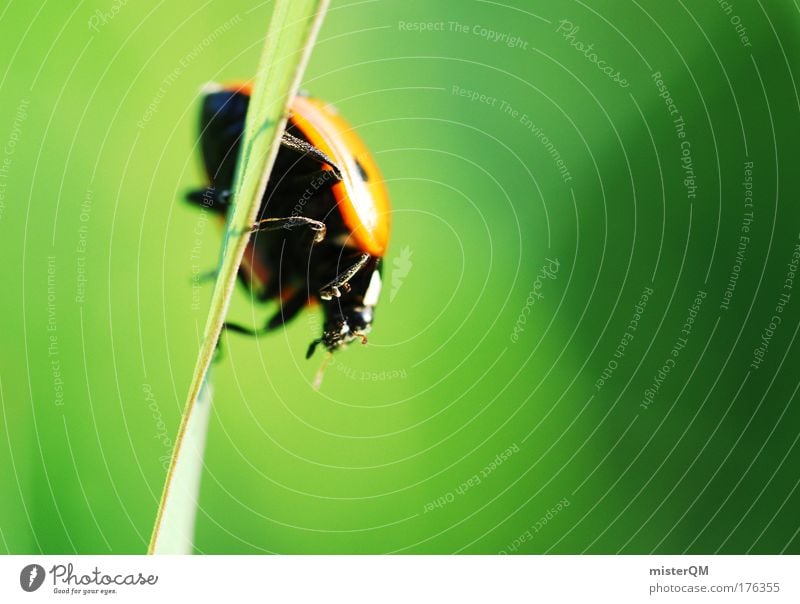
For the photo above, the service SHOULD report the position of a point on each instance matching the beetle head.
(342, 326)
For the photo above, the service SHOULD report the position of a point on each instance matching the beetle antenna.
(312, 347)
(326, 360)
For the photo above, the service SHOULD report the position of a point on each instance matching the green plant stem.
(291, 36)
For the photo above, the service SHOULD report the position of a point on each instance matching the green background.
(99, 145)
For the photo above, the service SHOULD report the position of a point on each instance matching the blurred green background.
(536, 198)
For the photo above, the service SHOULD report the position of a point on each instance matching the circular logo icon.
(31, 577)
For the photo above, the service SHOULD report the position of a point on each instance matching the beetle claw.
(331, 292)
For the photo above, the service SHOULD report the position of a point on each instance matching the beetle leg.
(288, 310)
(291, 222)
(248, 331)
(340, 284)
(206, 277)
(210, 198)
(304, 148)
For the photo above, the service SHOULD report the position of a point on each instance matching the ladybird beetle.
(323, 225)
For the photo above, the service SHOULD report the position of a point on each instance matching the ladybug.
(323, 225)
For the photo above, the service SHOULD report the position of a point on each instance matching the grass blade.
(177, 522)
(291, 35)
